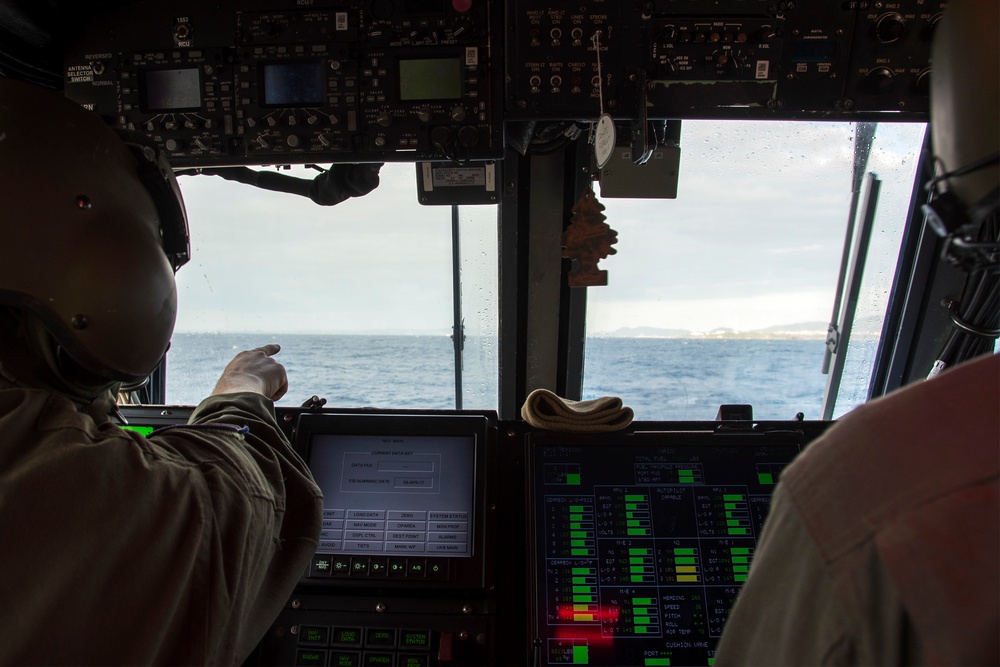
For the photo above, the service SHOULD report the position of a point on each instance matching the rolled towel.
(544, 409)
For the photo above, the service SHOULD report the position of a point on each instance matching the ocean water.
(660, 378)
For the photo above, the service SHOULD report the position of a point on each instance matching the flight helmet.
(93, 228)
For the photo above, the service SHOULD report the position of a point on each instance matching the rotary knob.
(458, 114)
(878, 80)
(890, 27)
(384, 119)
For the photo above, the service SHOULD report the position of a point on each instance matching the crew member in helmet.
(119, 549)
(882, 546)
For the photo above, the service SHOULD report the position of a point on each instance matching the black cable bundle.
(976, 317)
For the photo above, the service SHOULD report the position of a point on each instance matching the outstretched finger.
(270, 349)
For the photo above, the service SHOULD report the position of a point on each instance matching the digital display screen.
(641, 542)
(293, 84)
(814, 51)
(172, 89)
(430, 79)
(410, 495)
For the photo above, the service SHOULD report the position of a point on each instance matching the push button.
(310, 658)
(416, 568)
(378, 567)
(378, 660)
(341, 566)
(311, 635)
(413, 661)
(359, 567)
(322, 566)
(415, 640)
(397, 567)
(381, 638)
(345, 659)
(346, 636)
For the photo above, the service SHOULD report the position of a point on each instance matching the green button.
(415, 639)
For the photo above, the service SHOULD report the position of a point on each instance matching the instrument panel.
(455, 538)
(313, 81)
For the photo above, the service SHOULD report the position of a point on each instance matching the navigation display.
(641, 542)
(395, 494)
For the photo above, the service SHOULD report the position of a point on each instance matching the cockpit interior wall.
(507, 546)
(454, 538)
(264, 82)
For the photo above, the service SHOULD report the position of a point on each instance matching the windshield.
(723, 295)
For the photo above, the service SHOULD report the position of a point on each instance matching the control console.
(296, 82)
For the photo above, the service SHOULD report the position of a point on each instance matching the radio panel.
(339, 82)
(721, 59)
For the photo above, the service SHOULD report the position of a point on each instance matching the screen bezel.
(462, 571)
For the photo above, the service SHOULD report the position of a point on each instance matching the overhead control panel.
(297, 82)
(721, 59)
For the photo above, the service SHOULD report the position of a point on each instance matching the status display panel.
(641, 542)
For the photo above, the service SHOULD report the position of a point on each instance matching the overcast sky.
(753, 240)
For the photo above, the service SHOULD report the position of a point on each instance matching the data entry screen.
(641, 544)
(395, 494)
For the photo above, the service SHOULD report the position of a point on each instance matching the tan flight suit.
(883, 542)
(118, 549)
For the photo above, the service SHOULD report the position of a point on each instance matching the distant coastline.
(797, 331)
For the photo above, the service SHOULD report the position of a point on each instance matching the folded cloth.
(544, 409)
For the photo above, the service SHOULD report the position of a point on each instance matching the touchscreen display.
(395, 494)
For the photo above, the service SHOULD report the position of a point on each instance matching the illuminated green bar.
(637, 568)
(685, 560)
(578, 543)
(581, 655)
(637, 531)
(576, 517)
(635, 499)
(141, 430)
(686, 480)
(579, 580)
(641, 611)
(584, 598)
(574, 525)
(579, 552)
(642, 620)
(730, 506)
(573, 478)
(578, 533)
(636, 578)
(577, 508)
(732, 522)
(641, 601)
(683, 552)
(733, 496)
(740, 559)
(582, 570)
(633, 522)
(740, 577)
(636, 560)
(740, 551)
(739, 531)
(638, 552)
(765, 478)
(741, 568)
(631, 506)
(657, 662)
(583, 589)
(641, 629)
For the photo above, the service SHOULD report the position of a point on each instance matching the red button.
(461, 6)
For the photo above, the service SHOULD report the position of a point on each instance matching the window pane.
(359, 295)
(724, 294)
